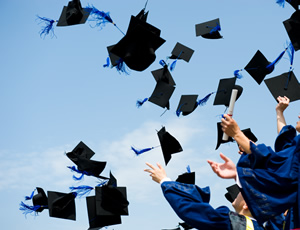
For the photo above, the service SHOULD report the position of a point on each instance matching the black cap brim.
(206, 29)
(187, 104)
(162, 94)
(79, 20)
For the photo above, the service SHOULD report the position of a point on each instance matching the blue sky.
(56, 93)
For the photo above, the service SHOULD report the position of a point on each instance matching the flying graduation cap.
(292, 27)
(232, 192)
(73, 14)
(259, 66)
(169, 145)
(114, 61)
(180, 52)
(285, 84)
(137, 48)
(209, 29)
(187, 177)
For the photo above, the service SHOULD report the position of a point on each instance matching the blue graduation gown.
(269, 178)
(191, 204)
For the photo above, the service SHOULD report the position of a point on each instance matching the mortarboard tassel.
(107, 63)
(281, 2)
(139, 103)
(162, 63)
(100, 17)
(237, 73)
(271, 66)
(172, 66)
(121, 66)
(48, 28)
(74, 169)
(140, 151)
(214, 29)
(29, 209)
(290, 52)
(30, 197)
(205, 99)
(188, 169)
(82, 190)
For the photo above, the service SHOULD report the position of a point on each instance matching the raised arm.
(283, 103)
(226, 170)
(231, 128)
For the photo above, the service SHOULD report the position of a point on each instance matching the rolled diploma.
(230, 109)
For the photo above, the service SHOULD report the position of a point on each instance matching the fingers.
(159, 165)
(150, 165)
(226, 159)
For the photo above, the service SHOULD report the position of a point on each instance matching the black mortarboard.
(114, 59)
(168, 143)
(182, 52)
(224, 90)
(220, 136)
(164, 75)
(249, 134)
(162, 94)
(232, 192)
(62, 205)
(186, 178)
(187, 104)
(40, 199)
(209, 29)
(93, 168)
(73, 14)
(185, 226)
(97, 221)
(82, 151)
(292, 26)
(137, 47)
(257, 67)
(285, 84)
(294, 3)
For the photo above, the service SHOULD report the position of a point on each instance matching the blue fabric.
(270, 179)
(276, 223)
(191, 204)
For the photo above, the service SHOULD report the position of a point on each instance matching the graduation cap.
(285, 84)
(209, 29)
(98, 221)
(248, 133)
(185, 226)
(187, 177)
(40, 199)
(160, 96)
(187, 104)
(169, 145)
(292, 27)
(220, 136)
(80, 151)
(224, 90)
(164, 75)
(137, 48)
(259, 66)
(294, 3)
(73, 14)
(180, 52)
(232, 192)
(62, 205)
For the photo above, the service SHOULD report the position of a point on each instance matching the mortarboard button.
(98, 221)
(285, 84)
(164, 75)
(73, 14)
(187, 104)
(162, 94)
(62, 205)
(137, 47)
(168, 143)
(209, 29)
(224, 90)
(232, 192)
(40, 199)
(257, 67)
(182, 52)
(220, 136)
(292, 27)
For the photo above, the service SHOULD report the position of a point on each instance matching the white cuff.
(165, 179)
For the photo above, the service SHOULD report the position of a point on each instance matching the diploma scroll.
(230, 109)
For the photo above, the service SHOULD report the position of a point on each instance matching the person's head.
(240, 206)
(298, 125)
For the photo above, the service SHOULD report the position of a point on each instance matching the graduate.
(269, 179)
(191, 204)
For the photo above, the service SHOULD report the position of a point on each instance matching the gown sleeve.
(191, 204)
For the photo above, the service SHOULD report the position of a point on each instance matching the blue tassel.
(205, 99)
(74, 169)
(29, 209)
(172, 66)
(48, 28)
(291, 52)
(107, 63)
(162, 63)
(237, 74)
(82, 190)
(281, 2)
(121, 67)
(271, 66)
(140, 151)
(139, 103)
(215, 29)
(188, 169)
(30, 197)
